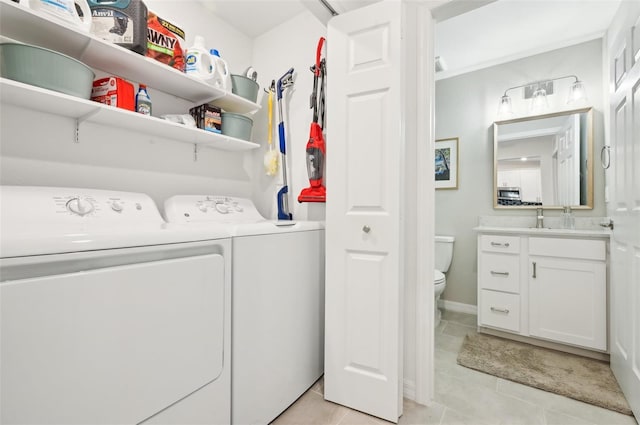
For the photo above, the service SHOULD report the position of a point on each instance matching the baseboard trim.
(409, 389)
(458, 307)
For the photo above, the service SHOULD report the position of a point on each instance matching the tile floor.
(462, 396)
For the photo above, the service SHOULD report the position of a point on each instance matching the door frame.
(425, 194)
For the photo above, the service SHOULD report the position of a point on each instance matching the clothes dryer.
(277, 302)
(109, 315)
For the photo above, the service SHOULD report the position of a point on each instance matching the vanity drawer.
(500, 272)
(500, 243)
(500, 310)
(584, 249)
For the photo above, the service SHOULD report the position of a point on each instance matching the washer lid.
(53, 220)
(238, 215)
(438, 277)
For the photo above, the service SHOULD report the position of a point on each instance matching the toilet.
(443, 255)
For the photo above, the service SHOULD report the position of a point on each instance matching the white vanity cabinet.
(543, 284)
(499, 281)
(568, 291)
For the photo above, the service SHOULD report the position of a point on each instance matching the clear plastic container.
(568, 221)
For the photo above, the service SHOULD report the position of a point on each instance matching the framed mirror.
(544, 160)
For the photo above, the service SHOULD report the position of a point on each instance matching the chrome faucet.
(539, 218)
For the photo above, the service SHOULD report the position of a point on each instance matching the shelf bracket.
(82, 119)
(195, 152)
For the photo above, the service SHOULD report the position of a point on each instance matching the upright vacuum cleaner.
(316, 192)
(283, 198)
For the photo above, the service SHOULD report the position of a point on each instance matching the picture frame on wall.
(446, 165)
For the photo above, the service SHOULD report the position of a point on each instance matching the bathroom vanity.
(545, 284)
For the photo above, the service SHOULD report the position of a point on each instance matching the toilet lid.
(438, 277)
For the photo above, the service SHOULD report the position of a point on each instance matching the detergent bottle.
(222, 76)
(64, 10)
(199, 62)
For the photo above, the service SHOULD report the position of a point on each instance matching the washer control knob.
(203, 208)
(116, 206)
(239, 208)
(222, 208)
(80, 206)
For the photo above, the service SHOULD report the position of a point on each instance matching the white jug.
(222, 78)
(63, 10)
(199, 62)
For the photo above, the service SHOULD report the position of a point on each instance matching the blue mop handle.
(286, 78)
(282, 215)
(287, 75)
(283, 145)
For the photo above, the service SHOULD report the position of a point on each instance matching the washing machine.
(107, 314)
(277, 347)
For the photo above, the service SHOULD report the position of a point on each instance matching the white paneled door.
(623, 179)
(363, 348)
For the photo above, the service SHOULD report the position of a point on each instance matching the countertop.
(604, 233)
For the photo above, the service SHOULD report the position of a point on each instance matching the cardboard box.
(114, 91)
(207, 117)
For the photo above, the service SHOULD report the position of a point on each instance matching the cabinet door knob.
(534, 270)
(366, 228)
(500, 273)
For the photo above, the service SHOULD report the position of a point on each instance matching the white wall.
(290, 45)
(466, 107)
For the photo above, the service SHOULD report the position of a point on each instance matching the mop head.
(271, 163)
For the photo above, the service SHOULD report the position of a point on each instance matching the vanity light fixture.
(538, 92)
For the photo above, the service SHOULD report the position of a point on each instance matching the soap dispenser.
(568, 221)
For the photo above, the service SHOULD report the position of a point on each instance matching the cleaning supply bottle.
(143, 101)
(222, 76)
(199, 61)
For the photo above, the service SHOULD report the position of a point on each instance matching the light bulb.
(539, 101)
(505, 110)
(577, 93)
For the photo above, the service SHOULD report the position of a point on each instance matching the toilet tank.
(444, 252)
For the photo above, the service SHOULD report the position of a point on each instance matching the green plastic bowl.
(45, 68)
(244, 87)
(236, 125)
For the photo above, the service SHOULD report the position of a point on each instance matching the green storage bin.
(236, 125)
(45, 68)
(244, 87)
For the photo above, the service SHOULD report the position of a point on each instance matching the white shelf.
(20, 23)
(43, 100)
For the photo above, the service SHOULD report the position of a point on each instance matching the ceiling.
(255, 17)
(496, 32)
(510, 29)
